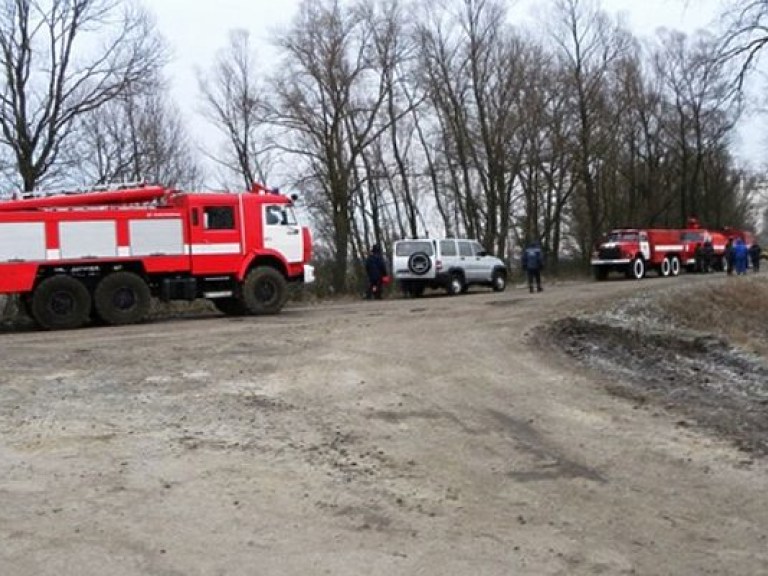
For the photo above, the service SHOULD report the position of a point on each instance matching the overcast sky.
(196, 29)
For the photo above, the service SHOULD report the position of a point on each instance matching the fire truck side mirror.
(294, 197)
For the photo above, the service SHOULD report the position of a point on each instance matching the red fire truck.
(694, 241)
(634, 251)
(102, 254)
(694, 238)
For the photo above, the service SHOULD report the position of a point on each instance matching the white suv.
(451, 264)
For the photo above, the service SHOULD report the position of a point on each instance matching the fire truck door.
(645, 245)
(215, 237)
(282, 232)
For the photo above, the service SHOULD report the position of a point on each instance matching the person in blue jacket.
(532, 263)
(740, 257)
(376, 270)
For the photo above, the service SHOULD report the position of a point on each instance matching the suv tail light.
(438, 265)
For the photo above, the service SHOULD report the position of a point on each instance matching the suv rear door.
(414, 259)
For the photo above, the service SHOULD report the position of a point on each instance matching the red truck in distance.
(102, 254)
(633, 252)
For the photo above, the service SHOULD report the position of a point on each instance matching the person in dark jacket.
(532, 263)
(376, 270)
(729, 256)
(754, 255)
(708, 255)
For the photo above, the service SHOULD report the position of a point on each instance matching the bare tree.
(47, 81)
(745, 36)
(136, 137)
(233, 100)
(328, 102)
(703, 111)
(590, 45)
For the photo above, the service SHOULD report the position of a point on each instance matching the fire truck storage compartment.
(156, 237)
(88, 239)
(22, 241)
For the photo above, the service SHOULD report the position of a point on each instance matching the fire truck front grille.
(610, 254)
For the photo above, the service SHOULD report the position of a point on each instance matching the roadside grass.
(736, 309)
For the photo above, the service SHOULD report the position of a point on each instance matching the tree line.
(398, 119)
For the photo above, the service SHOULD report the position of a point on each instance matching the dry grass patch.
(736, 309)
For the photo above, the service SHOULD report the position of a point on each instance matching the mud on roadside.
(699, 352)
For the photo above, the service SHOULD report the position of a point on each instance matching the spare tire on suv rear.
(419, 263)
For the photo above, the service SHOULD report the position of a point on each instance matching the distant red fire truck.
(102, 254)
(633, 251)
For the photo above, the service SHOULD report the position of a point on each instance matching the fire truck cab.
(103, 254)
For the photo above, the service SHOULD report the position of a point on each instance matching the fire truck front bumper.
(309, 274)
(621, 261)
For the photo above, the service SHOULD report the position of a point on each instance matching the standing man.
(708, 254)
(376, 270)
(740, 257)
(754, 255)
(532, 263)
(729, 256)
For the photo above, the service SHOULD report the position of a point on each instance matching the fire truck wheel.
(674, 265)
(665, 268)
(122, 298)
(61, 303)
(264, 291)
(637, 269)
(229, 306)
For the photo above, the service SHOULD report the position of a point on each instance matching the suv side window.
(478, 249)
(448, 247)
(465, 249)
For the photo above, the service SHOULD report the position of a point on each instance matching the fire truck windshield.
(622, 237)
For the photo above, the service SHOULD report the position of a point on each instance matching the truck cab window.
(219, 218)
(280, 216)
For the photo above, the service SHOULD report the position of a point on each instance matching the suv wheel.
(419, 263)
(499, 281)
(455, 285)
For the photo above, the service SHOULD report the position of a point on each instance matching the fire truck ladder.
(113, 194)
(110, 187)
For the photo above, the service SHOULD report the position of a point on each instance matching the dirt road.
(365, 438)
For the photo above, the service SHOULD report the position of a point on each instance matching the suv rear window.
(412, 246)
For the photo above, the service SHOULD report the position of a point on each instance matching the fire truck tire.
(122, 298)
(264, 291)
(636, 269)
(60, 303)
(674, 266)
(666, 267)
(229, 306)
